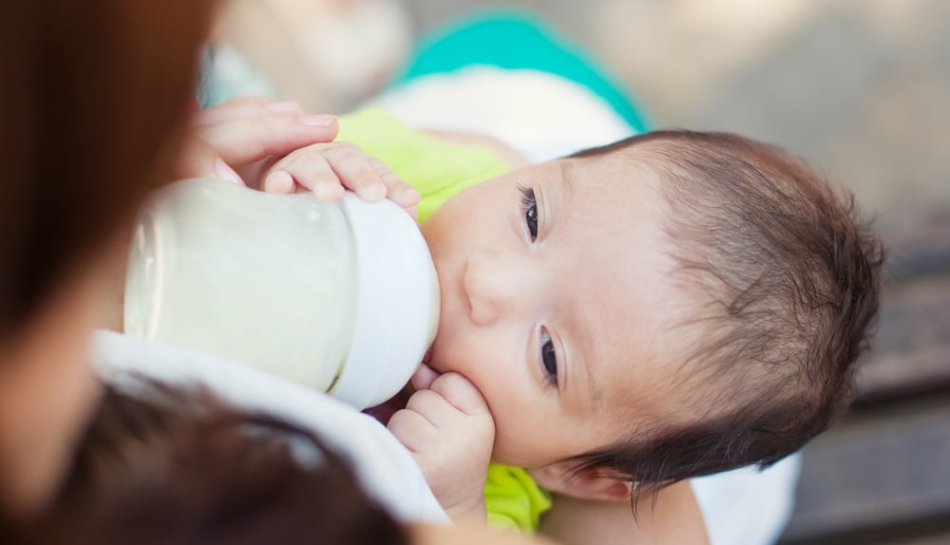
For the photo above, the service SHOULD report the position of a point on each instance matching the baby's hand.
(328, 169)
(450, 432)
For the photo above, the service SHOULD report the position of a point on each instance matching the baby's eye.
(530, 206)
(548, 357)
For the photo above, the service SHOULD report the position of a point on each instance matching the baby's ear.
(587, 484)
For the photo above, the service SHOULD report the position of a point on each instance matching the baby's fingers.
(397, 190)
(309, 171)
(412, 429)
(353, 169)
(461, 394)
(435, 409)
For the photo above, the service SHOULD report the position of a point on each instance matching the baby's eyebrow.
(581, 357)
(580, 370)
(568, 178)
(594, 393)
(557, 194)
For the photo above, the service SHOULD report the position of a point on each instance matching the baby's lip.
(384, 411)
(422, 378)
(427, 358)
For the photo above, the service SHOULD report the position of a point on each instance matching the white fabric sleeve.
(541, 115)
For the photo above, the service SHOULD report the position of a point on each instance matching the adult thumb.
(199, 160)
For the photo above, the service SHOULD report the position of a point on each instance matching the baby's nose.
(497, 286)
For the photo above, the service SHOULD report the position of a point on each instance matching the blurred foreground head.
(168, 465)
(95, 97)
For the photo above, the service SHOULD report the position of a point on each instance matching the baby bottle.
(339, 296)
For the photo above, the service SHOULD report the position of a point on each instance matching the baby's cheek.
(508, 451)
(512, 445)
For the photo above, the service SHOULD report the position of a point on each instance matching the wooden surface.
(889, 470)
(912, 346)
(882, 475)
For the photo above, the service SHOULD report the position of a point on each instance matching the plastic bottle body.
(342, 296)
(266, 280)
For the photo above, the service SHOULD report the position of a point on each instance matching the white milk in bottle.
(339, 296)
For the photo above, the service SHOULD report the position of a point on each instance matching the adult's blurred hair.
(94, 99)
(168, 465)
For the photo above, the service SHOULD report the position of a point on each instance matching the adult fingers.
(244, 108)
(198, 160)
(245, 140)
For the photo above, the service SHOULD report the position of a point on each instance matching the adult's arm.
(462, 534)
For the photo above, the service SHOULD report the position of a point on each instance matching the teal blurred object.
(517, 40)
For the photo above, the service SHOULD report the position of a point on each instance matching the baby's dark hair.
(784, 282)
(176, 466)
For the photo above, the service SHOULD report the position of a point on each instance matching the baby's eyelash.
(548, 359)
(527, 196)
(529, 210)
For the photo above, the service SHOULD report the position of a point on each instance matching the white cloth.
(539, 114)
(383, 466)
(746, 506)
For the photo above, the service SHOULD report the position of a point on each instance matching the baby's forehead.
(614, 192)
(620, 171)
(620, 264)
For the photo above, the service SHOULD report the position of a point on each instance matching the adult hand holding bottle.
(338, 296)
(275, 147)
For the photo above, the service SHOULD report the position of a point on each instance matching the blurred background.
(861, 88)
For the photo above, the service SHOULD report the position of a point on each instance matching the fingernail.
(373, 192)
(412, 192)
(226, 173)
(279, 181)
(282, 107)
(321, 120)
(326, 192)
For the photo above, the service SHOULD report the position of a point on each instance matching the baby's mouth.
(427, 358)
(384, 411)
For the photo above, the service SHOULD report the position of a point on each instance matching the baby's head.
(671, 305)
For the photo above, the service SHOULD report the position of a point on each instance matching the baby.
(671, 305)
